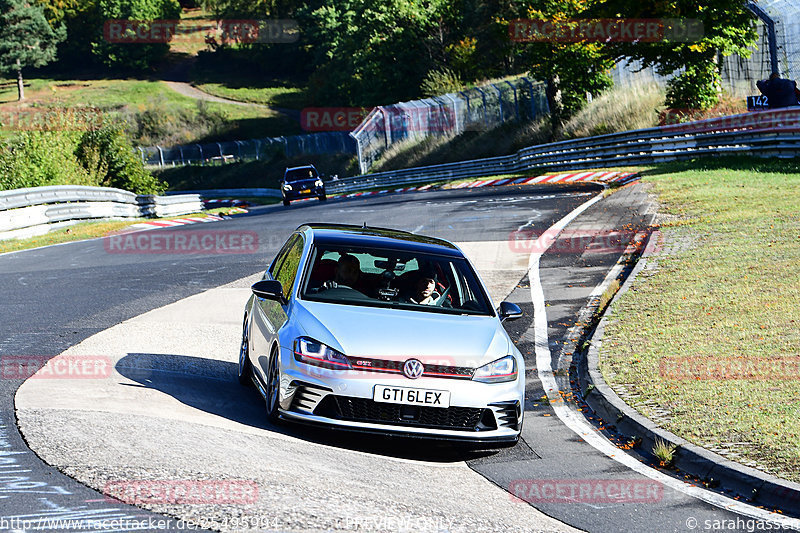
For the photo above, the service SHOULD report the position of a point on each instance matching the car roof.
(372, 237)
(300, 168)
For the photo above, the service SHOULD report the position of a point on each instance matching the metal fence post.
(160, 156)
(500, 103)
(485, 116)
(516, 102)
(772, 41)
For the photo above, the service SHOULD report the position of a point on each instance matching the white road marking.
(580, 426)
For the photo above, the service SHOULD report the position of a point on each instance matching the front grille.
(366, 410)
(396, 367)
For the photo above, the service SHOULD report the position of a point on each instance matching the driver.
(425, 289)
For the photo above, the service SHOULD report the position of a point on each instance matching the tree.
(26, 39)
(570, 69)
(717, 27)
(135, 55)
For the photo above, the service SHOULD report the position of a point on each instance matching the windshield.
(396, 279)
(300, 174)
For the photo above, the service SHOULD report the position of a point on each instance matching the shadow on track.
(211, 386)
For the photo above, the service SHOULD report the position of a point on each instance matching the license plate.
(408, 396)
(305, 191)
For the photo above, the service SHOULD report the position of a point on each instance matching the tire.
(273, 386)
(286, 202)
(245, 367)
(323, 198)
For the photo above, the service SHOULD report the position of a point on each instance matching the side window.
(287, 271)
(276, 264)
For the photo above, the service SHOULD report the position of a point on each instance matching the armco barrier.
(30, 211)
(773, 133)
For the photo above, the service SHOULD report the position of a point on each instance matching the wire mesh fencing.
(249, 150)
(477, 108)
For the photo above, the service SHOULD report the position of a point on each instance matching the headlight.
(499, 371)
(315, 353)
(287, 187)
(318, 183)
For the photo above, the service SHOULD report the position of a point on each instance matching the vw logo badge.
(413, 369)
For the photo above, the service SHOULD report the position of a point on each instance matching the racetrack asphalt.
(56, 297)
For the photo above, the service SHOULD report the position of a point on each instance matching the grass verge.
(153, 112)
(91, 229)
(711, 334)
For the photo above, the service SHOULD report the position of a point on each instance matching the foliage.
(74, 154)
(571, 69)
(727, 28)
(133, 56)
(26, 38)
(113, 161)
(441, 81)
(697, 87)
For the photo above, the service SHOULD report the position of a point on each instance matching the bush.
(160, 123)
(37, 158)
(438, 82)
(74, 155)
(108, 155)
(698, 87)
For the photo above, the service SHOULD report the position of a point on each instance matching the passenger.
(779, 92)
(348, 271)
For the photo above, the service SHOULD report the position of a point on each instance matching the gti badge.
(413, 369)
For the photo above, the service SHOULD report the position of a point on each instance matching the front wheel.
(322, 198)
(273, 388)
(286, 202)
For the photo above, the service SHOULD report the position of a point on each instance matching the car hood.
(396, 334)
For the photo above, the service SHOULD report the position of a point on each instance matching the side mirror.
(509, 311)
(270, 289)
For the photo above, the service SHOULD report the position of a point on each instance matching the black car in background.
(302, 182)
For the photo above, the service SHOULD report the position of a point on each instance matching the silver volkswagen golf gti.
(382, 331)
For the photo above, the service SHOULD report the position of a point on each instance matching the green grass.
(87, 230)
(181, 119)
(77, 232)
(278, 96)
(621, 108)
(725, 293)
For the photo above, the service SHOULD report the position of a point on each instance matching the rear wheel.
(286, 202)
(273, 387)
(245, 368)
(322, 198)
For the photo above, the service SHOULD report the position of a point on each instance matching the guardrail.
(232, 193)
(773, 133)
(31, 211)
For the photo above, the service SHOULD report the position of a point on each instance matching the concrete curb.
(757, 487)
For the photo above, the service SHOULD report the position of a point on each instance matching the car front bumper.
(296, 194)
(477, 412)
